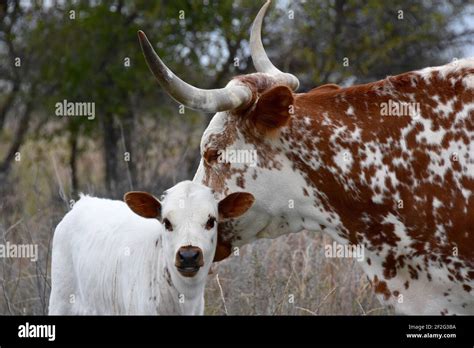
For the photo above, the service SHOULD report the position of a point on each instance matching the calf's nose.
(189, 256)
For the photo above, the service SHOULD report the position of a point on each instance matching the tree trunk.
(20, 133)
(110, 139)
(73, 162)
(128, 130)
(8, 103)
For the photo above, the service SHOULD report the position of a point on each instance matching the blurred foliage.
(79, 50)
(378, 38)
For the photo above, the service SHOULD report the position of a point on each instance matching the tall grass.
(289, 276)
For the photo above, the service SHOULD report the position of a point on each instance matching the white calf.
(108, 260)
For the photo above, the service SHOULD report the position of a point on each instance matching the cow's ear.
(143, 204)
(234, 205)
(273, 110)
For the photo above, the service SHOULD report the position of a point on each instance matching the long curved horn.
(260, 59)
(208, 100)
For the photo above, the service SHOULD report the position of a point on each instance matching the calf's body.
(108, 260)
(144, 256)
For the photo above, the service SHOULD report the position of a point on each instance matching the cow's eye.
(210, 223)
(211, 156)
(168, 224)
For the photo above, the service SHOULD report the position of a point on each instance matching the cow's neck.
(334, 142)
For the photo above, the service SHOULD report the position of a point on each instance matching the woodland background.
(45, 160)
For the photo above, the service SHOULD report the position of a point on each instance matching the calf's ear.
(234, 205)
(143, 204)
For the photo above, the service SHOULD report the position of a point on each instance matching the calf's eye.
(168, 224)
(210, 223)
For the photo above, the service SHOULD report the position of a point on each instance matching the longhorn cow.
(387, 165)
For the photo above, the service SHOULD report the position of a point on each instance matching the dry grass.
(284, 276)
(289, 276)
